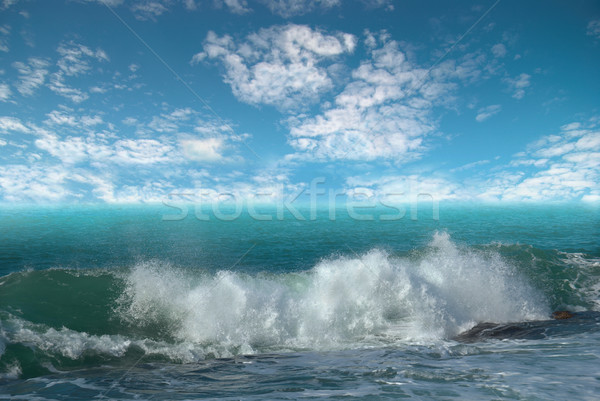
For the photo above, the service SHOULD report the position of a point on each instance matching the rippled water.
(115, 303)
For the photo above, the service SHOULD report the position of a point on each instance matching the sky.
(117, 101)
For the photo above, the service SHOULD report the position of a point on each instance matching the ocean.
(153, 303)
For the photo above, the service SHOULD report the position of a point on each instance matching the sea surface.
(153, 303)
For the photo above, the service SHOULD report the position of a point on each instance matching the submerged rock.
(562, 314)
(564, 323)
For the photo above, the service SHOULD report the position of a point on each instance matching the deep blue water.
(130, 302)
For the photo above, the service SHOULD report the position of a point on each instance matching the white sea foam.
(342, 302)
(73, 344)
(355, 301)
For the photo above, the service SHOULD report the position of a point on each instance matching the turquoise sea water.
(124, 302)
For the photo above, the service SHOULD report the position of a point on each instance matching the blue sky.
(137, 101)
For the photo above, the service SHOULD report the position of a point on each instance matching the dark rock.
(563, 323)
(562, 314)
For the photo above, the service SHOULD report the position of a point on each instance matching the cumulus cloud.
(148, 10)
(289, 8)
(388, 4)
(170, 122)
(57, 85)
(5, 92)
(12, 124)
(33, 182)
(111, 3)
(384, 112)
(75, 58)
(77, 139)
(593, 28)
(94, 148)
(4, 34)
(86, 139)
(283, 66)
(486, 112)
(404, 188)
(558, 167)
(67, 117)
(565, 166)
(41, 182)
(203, 150)
(235, 6)
(518, 84)
(31, 75)
(75, 154)
(469, 166)
(499, 50)
(8, 3)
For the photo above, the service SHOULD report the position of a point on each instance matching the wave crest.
(347, 301)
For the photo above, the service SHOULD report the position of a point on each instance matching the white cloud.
(388, 4)
(62, 138)
(40, 182)
(162, 125)
(95, 148)
(235, 6)
(499, 50)
(7, 3)
(89, 121)
(143, 151)
(97, 89)
(289, 8)
(32, 75)
(33, 182)
(593, 29)
(486, 112)
(529, 162)
(73, 150)
(60, 118)
(560, 181)
(130, 121)
(405, 188)
(8, 124)
(75, 58)
(148, 10)
(559, 167)
(111, 3)
(283, 66)
(190, 4)
(518, 84)
(5, 92)
(203, 150)
(169, 122)
(57, 117)
(4, 34)
(57, 85)
(470, 165)
(145, 10)
(384, 112)
(567, 163)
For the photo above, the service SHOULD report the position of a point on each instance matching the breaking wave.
(374, 299)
